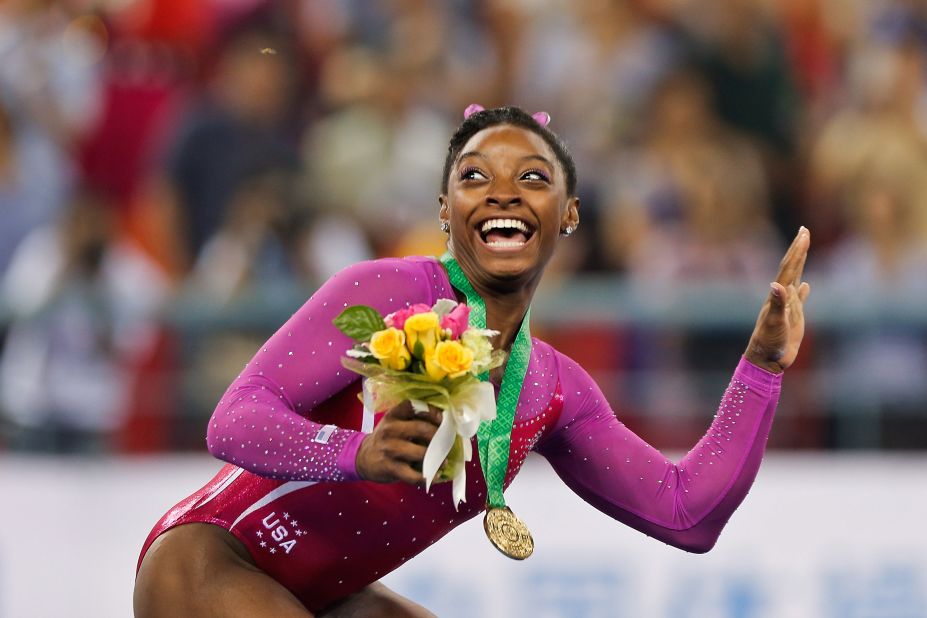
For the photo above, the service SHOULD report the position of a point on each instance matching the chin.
(511, 270)
(506, 267)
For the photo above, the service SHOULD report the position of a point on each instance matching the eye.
(472, 173)
(536, 176)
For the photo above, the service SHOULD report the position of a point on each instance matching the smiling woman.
(321, 497)
(506, 203)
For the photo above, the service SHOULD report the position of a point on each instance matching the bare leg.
(202, 570)
(376, 601)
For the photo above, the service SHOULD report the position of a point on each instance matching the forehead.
(508, 140)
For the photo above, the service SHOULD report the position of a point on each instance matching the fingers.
(396, 448)
(405, 412)
(781, 295)
(793, 263)
(803, 291)
(778, 297)
(404, 461)
(433, 416)
(390, 459)
(404, 472)
(787, 258)
(398, 445)
(804, 242)
(404, 451)
(416, 431)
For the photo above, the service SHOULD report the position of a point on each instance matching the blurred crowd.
(164, 153)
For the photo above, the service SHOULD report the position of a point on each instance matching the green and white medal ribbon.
(506, 532)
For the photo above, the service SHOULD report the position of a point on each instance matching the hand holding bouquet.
(428, 356)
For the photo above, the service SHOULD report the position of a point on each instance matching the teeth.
(505, 243)
(503, 224)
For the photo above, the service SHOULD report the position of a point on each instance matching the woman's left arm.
(686, 503)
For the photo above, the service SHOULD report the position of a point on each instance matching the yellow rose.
(449, 359)
(424, 329)
(389, 347)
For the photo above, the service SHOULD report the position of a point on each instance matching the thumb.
(777, 297)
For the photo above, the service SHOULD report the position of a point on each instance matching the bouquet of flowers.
(428, 356)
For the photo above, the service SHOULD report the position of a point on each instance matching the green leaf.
(359, 322)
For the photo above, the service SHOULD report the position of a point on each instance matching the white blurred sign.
(818, 537)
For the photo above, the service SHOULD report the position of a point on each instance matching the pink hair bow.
(542, 118)
(473, 108)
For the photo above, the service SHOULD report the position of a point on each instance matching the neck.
(506, 303)
(504, 312)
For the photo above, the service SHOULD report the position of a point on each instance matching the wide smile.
(505, 234)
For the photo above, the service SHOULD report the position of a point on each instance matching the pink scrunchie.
(542, 118)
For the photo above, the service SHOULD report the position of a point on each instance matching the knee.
(162, 583)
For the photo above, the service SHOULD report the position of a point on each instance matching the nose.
(503, 194)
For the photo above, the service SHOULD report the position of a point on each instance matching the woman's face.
(506, 204)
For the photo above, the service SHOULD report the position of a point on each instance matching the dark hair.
(517, 117)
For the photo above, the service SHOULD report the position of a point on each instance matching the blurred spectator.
(377, 158)
(593, 65)
(689, 202)
(48, 69)
(334, 241)
(257, 244)
(884, 252)
(741, 51)
(32, 186)
(884, 120)
(83, 304)
(243, 125)
(48, 96)
(878, 368)
(816, 35)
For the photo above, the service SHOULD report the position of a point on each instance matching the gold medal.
(509, 534)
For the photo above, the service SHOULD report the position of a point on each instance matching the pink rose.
(397, 319)
(458, 320)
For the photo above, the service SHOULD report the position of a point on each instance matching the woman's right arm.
(260, 423)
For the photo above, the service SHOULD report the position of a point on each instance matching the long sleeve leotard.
(290, 427)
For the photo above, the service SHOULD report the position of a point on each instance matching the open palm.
(780, 326)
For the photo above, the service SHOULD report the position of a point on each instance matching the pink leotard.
(290, 425)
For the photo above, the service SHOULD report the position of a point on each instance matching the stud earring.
(445, 227)
(567, 231)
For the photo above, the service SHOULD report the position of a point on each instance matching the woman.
(308, 515)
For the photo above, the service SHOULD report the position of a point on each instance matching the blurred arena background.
(176, 178)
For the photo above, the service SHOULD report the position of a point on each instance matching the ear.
(444, 213)
(570, 216)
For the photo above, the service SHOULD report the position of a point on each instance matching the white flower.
(444, 306)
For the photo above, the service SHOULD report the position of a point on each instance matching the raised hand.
(395, 449)
(781, 324)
